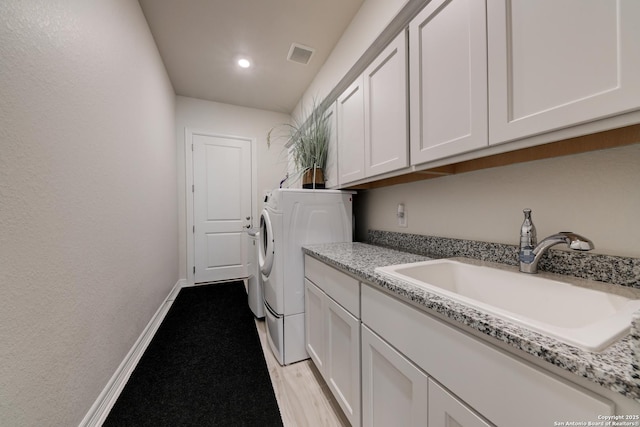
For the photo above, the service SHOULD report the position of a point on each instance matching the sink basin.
(587, 318)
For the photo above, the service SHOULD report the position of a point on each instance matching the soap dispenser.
(528, 239)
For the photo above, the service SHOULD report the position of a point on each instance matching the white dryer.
(292, 218)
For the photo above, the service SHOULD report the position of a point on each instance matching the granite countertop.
(610, 368)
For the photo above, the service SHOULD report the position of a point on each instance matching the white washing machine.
(254, 281)
(290, 219)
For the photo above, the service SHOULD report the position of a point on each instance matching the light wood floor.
(303, 396)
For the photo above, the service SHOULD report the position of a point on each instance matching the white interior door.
(221, 206)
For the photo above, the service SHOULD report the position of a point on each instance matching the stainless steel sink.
(587, 318)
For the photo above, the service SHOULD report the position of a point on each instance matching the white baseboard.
(101, 407)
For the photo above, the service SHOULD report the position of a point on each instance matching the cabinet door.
(351, 133)
(343, 359)
(556, 64)
(385, 110)
(448, 79)
(331, 172)
(314, 302)
(447, 411)
(394, 391)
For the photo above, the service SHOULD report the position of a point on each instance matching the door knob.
(248, 218)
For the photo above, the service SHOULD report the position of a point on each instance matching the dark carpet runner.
(204, 367)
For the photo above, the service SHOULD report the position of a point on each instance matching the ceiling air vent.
(300, 54)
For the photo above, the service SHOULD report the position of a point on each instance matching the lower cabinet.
(388, 363)
(505, 390)
(332, 339)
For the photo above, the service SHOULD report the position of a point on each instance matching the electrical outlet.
(402, 215)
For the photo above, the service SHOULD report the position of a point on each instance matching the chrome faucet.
(573, 240)
(530, 253)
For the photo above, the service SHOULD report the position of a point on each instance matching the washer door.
(265, 254)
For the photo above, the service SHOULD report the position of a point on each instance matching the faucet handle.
(528, 239)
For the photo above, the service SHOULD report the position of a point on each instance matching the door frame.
(188, 156)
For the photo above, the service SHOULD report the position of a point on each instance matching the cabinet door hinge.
(193, 188)
(194, 228)
(194, 269)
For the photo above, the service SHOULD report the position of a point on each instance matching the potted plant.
(308, 144)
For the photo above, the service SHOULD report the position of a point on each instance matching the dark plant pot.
(307, 179)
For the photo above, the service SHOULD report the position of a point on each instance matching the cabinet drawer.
(504, 389)
(342, 288)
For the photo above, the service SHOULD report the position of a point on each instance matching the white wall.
(226, 119)
(88, 217)
(595, 194)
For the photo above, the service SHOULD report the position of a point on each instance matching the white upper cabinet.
(331, 172)
(556, 64)
(372, 117)
(351, 133)
(385, 110)
(448, 79)
(482, 73)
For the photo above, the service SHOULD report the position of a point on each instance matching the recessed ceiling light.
(244, 63)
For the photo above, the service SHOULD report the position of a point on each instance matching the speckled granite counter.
(610, 368)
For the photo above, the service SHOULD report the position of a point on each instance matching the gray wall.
(88, 204)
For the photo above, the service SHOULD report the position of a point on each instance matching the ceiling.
(201, 40)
